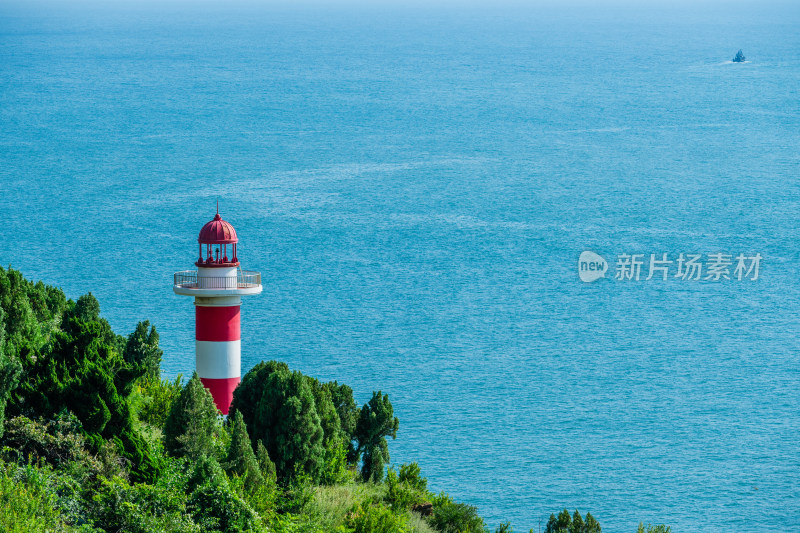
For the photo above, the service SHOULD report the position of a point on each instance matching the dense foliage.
(92, 439)
(79, 367)
(297, 421)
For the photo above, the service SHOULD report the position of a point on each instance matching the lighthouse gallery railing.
(244, 279)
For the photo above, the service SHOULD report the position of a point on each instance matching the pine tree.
(591, 525)
(265, 463)
(577, 525)
(290, 426)
(345, 405)
(193, 423)
(81, 370)
(565, 523)
(141, 348)
(241, 460)
(375, 423)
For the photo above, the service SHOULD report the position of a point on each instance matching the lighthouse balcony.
(239, 282)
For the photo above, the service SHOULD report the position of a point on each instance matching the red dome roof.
(217, 231)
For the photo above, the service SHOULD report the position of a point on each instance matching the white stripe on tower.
(219, 360)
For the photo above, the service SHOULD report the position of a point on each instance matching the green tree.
(87, 308)
(294, 434)
(591, 525)
(334, 439)
(279, 409)
(10, 371)
(265, 463)
(346, 408)
(192, 427)
(577, 525)
(154, 399)
(375, 423)
(29, 312)
(141, 348)
(214, 505)
(241, 460)
(453, 517)
(559, 524)
(250, 391)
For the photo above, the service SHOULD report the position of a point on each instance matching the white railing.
(244, 279)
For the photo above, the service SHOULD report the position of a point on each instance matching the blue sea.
(415, 184)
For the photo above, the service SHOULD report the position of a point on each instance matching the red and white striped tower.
(217, 286)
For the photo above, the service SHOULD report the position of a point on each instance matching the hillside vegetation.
(92, 439)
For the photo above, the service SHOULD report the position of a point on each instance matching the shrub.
(55, 441)
(406, 488)
(453, 517)
(28, 506)
(375, 518)
(410, 475)
(216, 507)
(141, 508)
(155, 397)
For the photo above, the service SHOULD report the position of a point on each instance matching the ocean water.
(415, 185)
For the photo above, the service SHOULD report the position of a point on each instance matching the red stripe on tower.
(222, 391)
(217, 323)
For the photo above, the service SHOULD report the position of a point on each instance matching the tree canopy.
(81, 370)
(375, 423)
(193, 424)
(279, 409)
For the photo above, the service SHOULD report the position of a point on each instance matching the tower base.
(222, 391)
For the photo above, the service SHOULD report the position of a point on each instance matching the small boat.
(739, 57)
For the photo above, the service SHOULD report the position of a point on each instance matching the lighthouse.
(217, 287)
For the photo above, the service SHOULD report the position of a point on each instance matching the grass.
(331, 504)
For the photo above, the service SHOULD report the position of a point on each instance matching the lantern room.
(217, 243)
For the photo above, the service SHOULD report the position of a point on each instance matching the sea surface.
(415, 185)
